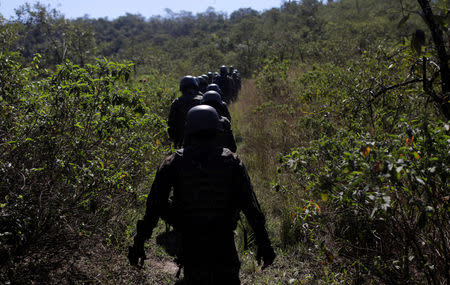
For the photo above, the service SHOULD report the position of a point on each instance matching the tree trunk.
(439, 45)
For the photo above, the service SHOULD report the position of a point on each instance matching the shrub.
(77, 149)
(382, 200)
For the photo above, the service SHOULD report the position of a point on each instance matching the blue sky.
(115, 8)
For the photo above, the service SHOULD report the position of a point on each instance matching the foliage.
(273, 78)
(347, 98)
(77, 148)
(183, 43)
(367, 185)
(382, 199)
(38, 29)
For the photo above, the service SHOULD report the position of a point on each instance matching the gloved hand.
(136, 254)
(266, 254)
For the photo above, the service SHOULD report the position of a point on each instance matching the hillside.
(342, 123)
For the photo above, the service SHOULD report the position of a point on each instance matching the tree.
(441, 98)
(43, 31)
(81, 41)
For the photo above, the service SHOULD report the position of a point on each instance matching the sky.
(147, 8)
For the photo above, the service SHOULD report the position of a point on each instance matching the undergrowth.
(78, 148)
(361, 187)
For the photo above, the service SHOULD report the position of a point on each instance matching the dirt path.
(111, 267)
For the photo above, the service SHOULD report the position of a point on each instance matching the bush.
(366, 184)
(78, 146)
(381, 201)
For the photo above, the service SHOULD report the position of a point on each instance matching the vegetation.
(343, 123)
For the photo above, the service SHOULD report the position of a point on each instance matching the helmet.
(201, 118)
(188, 84)
(202, 83)
(231, 69)
(210, 76)
(214, 87)
(211, 96)
(223, 70)
(204, 76)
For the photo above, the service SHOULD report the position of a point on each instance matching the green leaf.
(78, 124)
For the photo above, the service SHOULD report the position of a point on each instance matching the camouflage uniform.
(224, 137)
(210, 188)
(221, 108)
(177, 116)
(225, 83)
(238, 83)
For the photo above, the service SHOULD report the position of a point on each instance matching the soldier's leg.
(208, 276)
(225, 276)
(196, 276)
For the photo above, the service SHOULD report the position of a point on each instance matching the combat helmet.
(211, 96)
(188, 84)
(214, 87)
(202, 119)
(202, 84)
(223, 70)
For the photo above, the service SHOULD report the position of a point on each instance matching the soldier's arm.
(229, 140)
(252, 210)
(172, 120)
(157, 202)
(226, 112)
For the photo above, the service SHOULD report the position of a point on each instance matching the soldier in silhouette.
(202, 83)
(210, 188)
(213, 99)
(190, 97)
(225, 83)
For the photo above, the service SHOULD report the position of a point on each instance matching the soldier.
(236, 76)
(190, 97)
(210, 77)
(237, 81)
(231, 70)
(202, 84)
(225, 83)
(233, 84)
(213, 99)
(214, 87)
(225, 137)
(215, 75)
(210, 188)
(234, 87)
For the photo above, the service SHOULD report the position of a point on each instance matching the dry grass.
(264, 129)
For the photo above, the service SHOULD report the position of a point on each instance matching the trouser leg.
(222, 276)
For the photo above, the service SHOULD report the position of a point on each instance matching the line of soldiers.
(228, 81)
(201, 189)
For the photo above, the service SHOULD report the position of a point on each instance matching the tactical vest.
(177, 117)
(224, 83)
(204, 197)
